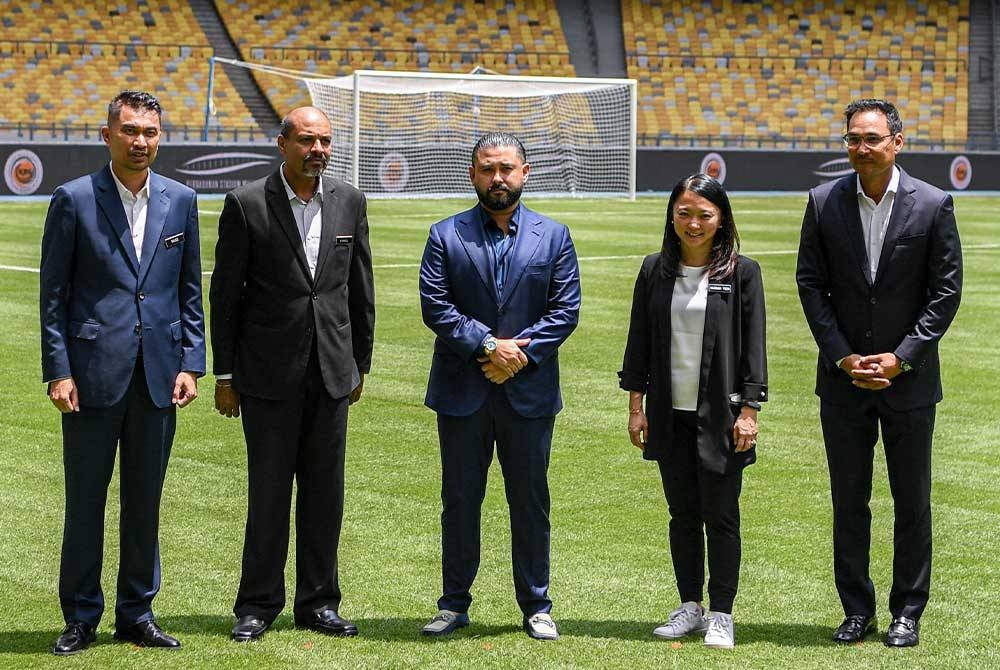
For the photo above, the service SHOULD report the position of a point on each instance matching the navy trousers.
(523, 446)
(142, 434)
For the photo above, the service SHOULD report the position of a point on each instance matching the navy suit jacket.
(908, 307)
(98, 300)
(459, 301)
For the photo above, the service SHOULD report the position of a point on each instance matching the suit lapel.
(851, 214)
(156, 216)
(901, 208)
(328, 232)
(529, 236)
(281, 210)
(470, 231)
(111, 205)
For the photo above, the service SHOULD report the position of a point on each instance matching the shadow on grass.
(408, 629)
(37, 641)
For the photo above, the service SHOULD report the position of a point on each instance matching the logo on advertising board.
(714, 165)
(960, 173)
(835, 169)
(23, 172)
(393, 172)
(214, 172)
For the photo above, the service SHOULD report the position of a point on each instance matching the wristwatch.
(752, 404)
(904, 366)
(490, 345)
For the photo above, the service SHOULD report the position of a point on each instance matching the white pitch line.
(401, 266)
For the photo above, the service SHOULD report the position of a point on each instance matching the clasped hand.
(506, 361)
(874, 372)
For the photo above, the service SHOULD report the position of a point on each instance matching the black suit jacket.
(265, 307)
(908, 307)
(733, 360)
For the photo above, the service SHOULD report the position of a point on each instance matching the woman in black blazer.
(696, 356)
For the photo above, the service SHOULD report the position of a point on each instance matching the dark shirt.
(501, 246)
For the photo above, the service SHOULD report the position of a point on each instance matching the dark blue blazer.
(908, 307)
(459, 300)
(96, 298)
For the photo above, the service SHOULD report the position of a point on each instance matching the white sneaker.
(686, 619)
(445, 622)
(721, 634)
(541, 627)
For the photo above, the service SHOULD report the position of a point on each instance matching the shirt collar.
(891, 188)
(486, 218)
(126, 194)
(291, 192)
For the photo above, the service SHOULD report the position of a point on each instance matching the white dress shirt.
(135, 211)
(875, 219)
(308, 218)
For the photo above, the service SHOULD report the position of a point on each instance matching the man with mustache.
(500, 288)
(123, 343)
(293, 319)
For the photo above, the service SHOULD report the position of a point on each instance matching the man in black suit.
(880, 279)
(292, 321)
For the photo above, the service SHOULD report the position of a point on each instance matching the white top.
(875, 219)
(135, 211)
(687, 328)
(308, 218)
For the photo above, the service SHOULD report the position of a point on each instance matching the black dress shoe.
(249, 628)
(855, 628)
(328, 622)
(903, 632)
(76, 637)
(147, 634)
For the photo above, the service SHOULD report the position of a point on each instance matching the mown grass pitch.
(611, 576)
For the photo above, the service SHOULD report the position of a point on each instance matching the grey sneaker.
(721, 634)
(445, 622)
(541, 627)
(686, 619)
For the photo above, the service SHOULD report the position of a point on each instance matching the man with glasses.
(880, 278)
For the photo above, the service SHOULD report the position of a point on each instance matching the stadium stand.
(782, 70)
(61, 62)
(510, 38)
(768, 72)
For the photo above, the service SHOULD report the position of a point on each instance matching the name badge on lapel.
(720, 288)
(344, 239)
(173, 240)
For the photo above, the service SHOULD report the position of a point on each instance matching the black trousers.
(704, 509)
(301, 438)
(523, 446)
(850, 434)
(142, 434)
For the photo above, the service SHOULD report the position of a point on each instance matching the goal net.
(403, 133)
(413, 132)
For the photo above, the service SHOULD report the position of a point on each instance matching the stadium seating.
(742, 71)
(61, 62)
(785, 68)
(334, 39)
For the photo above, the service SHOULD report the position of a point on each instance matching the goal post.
(404, 133)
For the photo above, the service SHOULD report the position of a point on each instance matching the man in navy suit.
(500, 288)
(880, 279)
(123, 343)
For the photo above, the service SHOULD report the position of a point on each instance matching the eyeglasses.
(870, 141)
